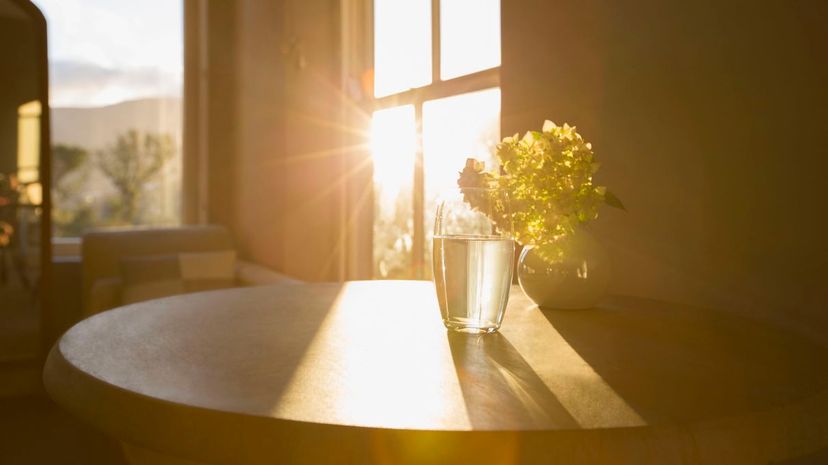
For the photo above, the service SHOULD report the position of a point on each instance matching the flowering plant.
(547, 175)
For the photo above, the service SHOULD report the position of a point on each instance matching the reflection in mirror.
(22, 211)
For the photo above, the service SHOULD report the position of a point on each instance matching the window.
(115, 94)
(436, 103)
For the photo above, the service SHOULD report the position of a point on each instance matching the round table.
(365, 373)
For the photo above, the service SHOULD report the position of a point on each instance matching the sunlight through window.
(393, 147)
(454, 116)
(469, 42)
(402, 45)
(454, 129)
(351, 346)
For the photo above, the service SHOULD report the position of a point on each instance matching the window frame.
(437, 89)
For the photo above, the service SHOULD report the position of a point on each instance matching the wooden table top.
(367, 372)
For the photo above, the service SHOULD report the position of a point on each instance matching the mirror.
(24, 154)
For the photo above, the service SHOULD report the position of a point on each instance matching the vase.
(572, 273)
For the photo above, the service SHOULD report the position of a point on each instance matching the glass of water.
(473, 258)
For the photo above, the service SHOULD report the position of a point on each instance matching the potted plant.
(548, 176)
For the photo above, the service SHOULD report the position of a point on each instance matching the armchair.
(105, 253)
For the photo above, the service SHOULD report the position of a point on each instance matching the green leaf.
(613, 201)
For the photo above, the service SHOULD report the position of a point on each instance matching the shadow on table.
(674, 363)
(819, 457)
(234, 349)
(490, 370)
(277, 346)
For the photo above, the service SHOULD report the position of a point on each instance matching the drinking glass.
(473, 257)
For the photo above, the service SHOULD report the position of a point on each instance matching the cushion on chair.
(155, 276)
(102, 250)
(177, 260)
(251, 274)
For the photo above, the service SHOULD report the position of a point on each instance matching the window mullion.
(418, 247)
(480, 80)
(418, 198)
(435, 41)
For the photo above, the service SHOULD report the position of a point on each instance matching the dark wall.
(275, 165)
(221, 121)
(19, 81)
(312, 169)
(710, 120)
(260, 203)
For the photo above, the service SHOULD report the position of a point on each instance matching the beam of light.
(338, 183)
(328, 95)
(358, 130)
(324, 153)
(579, 388)
(357, 371)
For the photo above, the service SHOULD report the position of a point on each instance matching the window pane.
(454, 129)
(393, 147)
(115, 92)
(402, 45)
(469, 36)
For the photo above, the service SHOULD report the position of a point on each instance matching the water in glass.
(472, 274)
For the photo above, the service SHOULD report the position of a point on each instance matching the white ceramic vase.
(572, 274)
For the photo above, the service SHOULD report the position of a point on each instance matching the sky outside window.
(402, 45)
(106, 51)
(469, 36)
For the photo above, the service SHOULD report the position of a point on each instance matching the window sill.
(66, 247)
